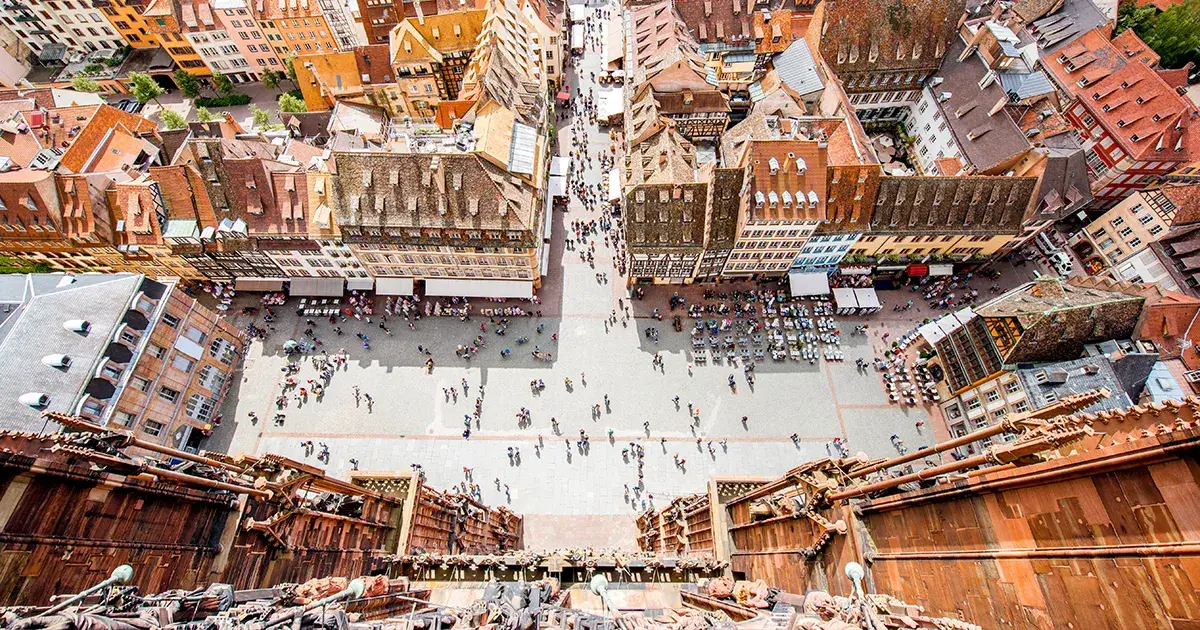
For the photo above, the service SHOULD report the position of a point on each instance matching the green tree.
(289, 104)
(203, 115)
(84, 84)
(261, 116)
(271, 79)
(289, 64)
(173, 120)
(1174, 34)
(188, 84)
(144, 88)
(222, 84)
(93, 69)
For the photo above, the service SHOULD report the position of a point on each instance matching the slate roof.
(1076, 377)
(798, 69)
(987, 136)
(35, 329)
(1074, 18)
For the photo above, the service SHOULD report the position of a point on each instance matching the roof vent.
(57, 360)
(37, 400)
(944, 96)
(81, 326)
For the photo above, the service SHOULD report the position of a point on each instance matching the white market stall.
(360, 284)
(560, 165)
(806, 283)
(614, 186)
(577, 39)
(845, 301)
(611, 107)
(868, 301)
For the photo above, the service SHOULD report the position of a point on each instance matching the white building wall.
(1145, 267)
(933, 137)
(74, 23)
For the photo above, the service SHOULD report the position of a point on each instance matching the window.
(1126, 232)
(111, 371)
(1135, 243)
(129, 336)
(1118, 222)
(1155, 230)
(1145, 218)
(992, 395)
(223, 351)
(183, 363)
(953, 411)
(168, 394)
(123, 418)
(973, 404)
(93, 408)
(140, 384)
(153, 428)
(195, 334)
(1012, 387)
(199, 407)
(170, 320)
(1020, 406)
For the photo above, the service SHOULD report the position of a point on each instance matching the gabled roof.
(1045, 296)
(798, 69)
(435, 35)
(660, 40)
(102, 121)
(885, 35)
(409, 190)
(665, 157)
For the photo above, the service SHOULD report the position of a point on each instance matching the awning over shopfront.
(563, 96)
(479, 288)
(393, 286)
(867, 298)
(941, 270)
(258, 284)
(918, 271)
(614, 46)
(614, 185)
(558, 186)
(360, 284)
(560, 165)
(808, 283)
(578, 12)
(317, 287)
(855, 270)
(844, 298)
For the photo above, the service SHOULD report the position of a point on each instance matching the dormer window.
(1121, 123)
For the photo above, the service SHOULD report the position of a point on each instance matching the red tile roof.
(1134, 104)
(1133, 47)
(102, 119)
